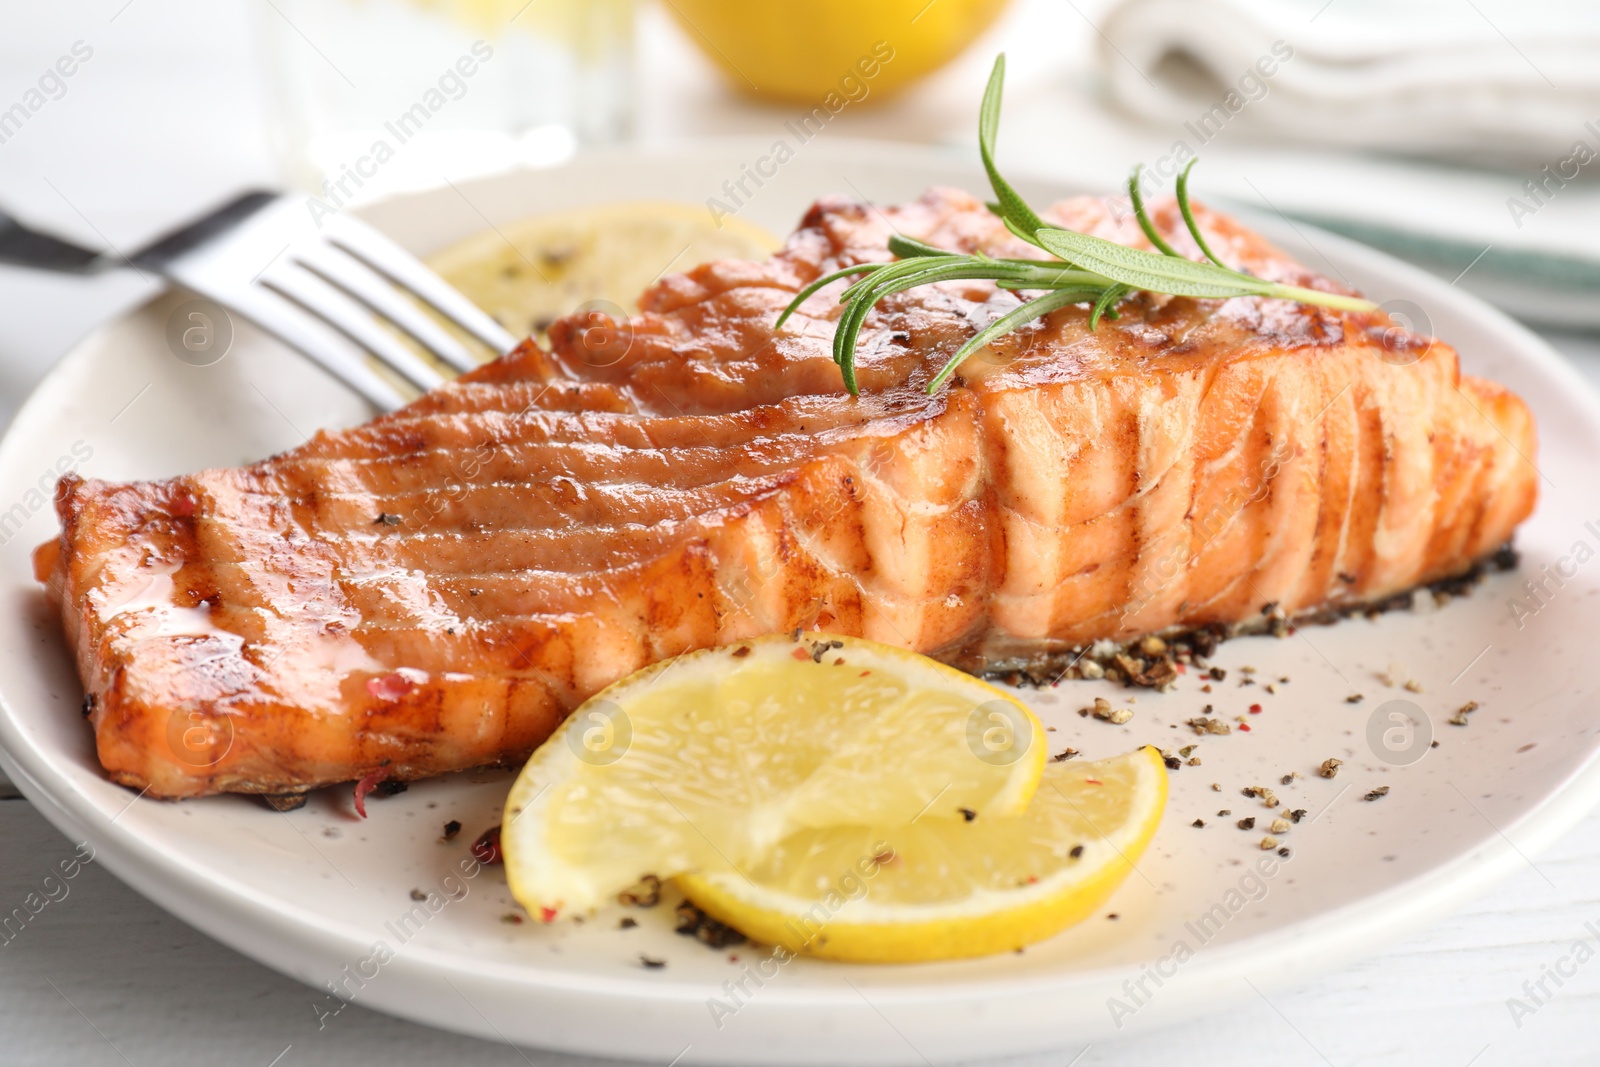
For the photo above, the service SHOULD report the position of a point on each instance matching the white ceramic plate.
(327, 898)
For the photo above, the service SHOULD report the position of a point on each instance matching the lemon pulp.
(706, 763)
(936, 889)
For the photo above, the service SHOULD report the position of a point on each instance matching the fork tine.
(331, 305)
(370, 288)
(295, 327)
(401, 267)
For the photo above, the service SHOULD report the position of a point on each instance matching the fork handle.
(23, 247)
(170, 246)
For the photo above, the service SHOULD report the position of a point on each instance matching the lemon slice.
(528, 272)
(941, 890)
(707, 762)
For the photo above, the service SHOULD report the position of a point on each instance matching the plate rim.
(1311, 945)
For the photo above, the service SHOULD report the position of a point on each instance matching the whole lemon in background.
(800, 50)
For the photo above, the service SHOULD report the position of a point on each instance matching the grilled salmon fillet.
(437, 589)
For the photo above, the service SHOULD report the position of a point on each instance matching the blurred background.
(1462, 135)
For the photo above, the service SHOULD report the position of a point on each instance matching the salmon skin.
(435, 590)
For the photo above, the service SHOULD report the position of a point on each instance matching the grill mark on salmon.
(503, 505)
(436, 589)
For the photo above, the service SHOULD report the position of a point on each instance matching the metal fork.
(317, 285)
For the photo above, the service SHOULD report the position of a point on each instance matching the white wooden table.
(101, 976)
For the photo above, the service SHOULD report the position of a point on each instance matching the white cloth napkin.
(1500, 81)
(1461, 134)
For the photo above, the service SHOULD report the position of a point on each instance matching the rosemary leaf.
(909, 248)
(1147, 270)
(1017, 230)
(1106, 305)
(900, 269)
(1014, 209)
(848, 328)
(1188, 215)
(1137, 200)
(827, 279)
(1048, 277)
(1008, 322)
(1178, 276)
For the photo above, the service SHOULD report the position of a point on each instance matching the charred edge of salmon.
(1136, 668)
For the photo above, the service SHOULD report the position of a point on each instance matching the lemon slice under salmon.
(707, 763)
(940, 890)
(529, 272)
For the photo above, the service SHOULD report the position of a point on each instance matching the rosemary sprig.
(1086, 270)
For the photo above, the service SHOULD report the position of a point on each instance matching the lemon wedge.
(934, 889)
(709, 763)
